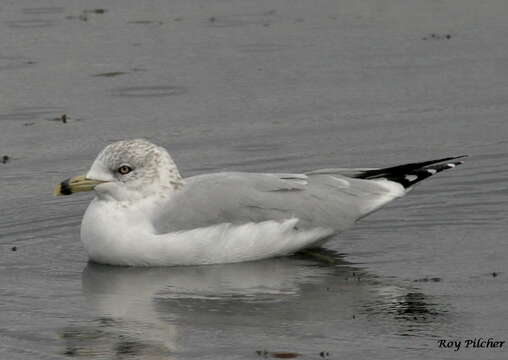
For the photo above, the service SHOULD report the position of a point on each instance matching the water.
(258, 86)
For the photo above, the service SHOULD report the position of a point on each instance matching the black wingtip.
(409, 174)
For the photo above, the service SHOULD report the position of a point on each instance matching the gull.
(146, 214)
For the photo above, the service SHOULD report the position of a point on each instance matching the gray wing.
(316, 199)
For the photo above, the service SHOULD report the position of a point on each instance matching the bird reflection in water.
(153, 313)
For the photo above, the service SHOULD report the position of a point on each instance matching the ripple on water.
(107, 338)
(43, 10)
(30, 23)
(413, 311)
(261, 48)
(226, 21)
(149, 91)
(15, 62)
(257, 147)
(110, 74)
(30, 113)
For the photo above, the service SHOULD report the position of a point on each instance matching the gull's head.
(127, 170)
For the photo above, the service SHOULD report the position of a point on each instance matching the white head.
(128, 170)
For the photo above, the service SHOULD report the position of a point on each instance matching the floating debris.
(14, 248)
(324, 354)
(284, 355)
(84, 14)
(95, 11)
(277, 354)
(62, 118)
(5, 159)
(434, 36)
(494, 274)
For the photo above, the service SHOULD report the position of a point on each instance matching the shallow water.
(258, 86)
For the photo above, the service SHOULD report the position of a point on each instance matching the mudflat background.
(258, 86)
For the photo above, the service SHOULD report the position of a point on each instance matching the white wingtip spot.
(432, 171)
(451, 165)
(410, 177)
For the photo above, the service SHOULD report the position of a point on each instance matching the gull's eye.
(124, 169)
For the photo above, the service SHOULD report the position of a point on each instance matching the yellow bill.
(75, 184)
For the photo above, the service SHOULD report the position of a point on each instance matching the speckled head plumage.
(136, 165)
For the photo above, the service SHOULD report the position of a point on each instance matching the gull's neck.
(169, 175)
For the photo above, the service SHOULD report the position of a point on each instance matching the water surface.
(258, 86)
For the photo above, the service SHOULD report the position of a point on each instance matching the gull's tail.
(409, 174)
